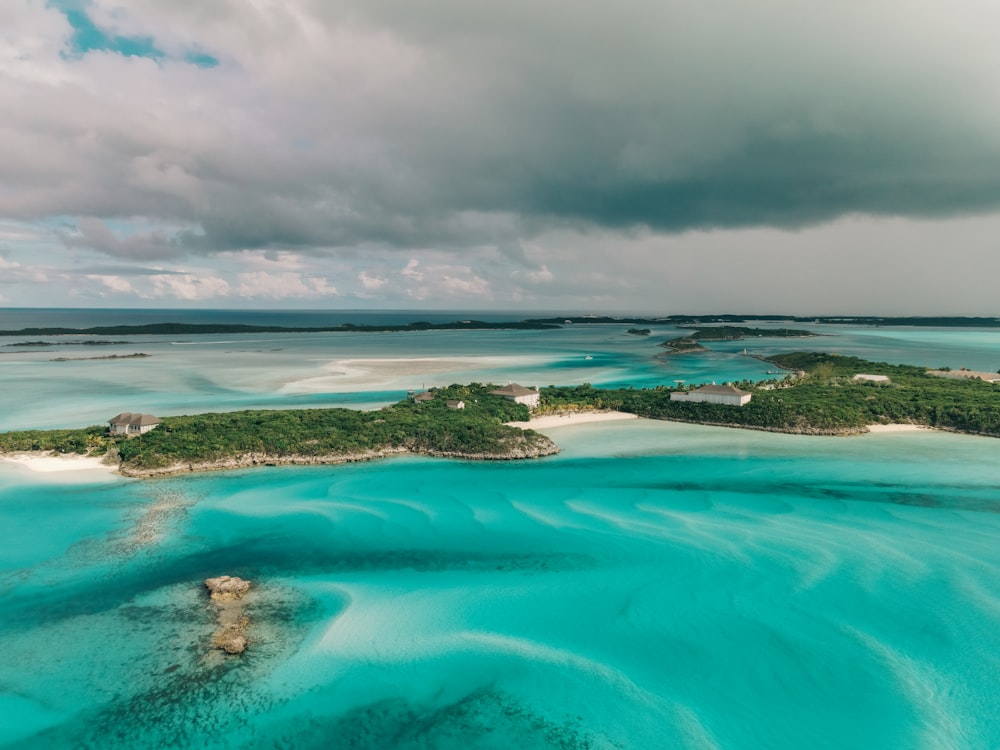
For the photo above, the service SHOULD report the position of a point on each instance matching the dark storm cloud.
(455, 125)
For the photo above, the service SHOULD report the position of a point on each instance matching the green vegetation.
(92, 440)
(683, 345)
(691, 342)
(735, 333)
(477, 431)
(825, 401)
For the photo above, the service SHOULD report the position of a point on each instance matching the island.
(822, 394)
(862, 320)
(231, 440)
(136, 355)
(692, 341)
(187, 329)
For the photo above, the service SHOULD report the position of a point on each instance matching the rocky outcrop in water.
(225, 588)
(226, 593)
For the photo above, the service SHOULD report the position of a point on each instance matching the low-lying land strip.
(692, 341)
(304, 436)
(827, 401)
(186, 329)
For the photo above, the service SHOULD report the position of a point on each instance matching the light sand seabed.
(564, 420)
(44, 463)
(347, 375)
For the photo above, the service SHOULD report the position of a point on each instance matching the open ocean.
(655, 585)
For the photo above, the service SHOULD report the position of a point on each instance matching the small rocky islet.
(226, 593)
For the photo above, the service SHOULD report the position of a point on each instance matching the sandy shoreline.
(572, 418)
(47, 463)
(897, 427)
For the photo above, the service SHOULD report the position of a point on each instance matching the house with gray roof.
(131, 424)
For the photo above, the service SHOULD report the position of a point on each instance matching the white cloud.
(411, 271)
(187, 286)
(116, 284)
(469, 286)
(371, 282)
(283, 285)
(540, 275)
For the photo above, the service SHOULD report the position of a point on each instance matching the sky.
(643, 156)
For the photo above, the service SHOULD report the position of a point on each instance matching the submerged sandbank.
(48, 463)
(403, 373)
(572, 418)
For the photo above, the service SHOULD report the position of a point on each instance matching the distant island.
(434, 425)
(697, 320)
(85, 342)
(136, 355)
(189, 329)
(692, 342)
(531, 324)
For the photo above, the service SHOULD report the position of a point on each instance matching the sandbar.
(572, 418)
(403, 373)
(48, 463)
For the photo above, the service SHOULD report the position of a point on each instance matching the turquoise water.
(655, 585)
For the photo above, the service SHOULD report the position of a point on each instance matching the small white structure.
(714, 394)
(870, 378)
(519, 394)
(453, 404)
(131, 424)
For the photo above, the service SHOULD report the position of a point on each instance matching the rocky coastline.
(539, 448)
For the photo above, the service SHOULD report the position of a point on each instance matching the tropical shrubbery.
(422, 427)
(826, 400)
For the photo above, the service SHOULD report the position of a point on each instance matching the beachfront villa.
(865, 378)
(131, 424)
(519, 394)
(714, 394)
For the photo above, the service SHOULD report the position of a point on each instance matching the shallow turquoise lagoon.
(654, 586)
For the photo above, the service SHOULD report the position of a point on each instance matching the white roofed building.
(714, 394)
(519, 394)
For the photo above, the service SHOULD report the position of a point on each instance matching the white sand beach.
(47, 463)
(572, 418)
(897, 427)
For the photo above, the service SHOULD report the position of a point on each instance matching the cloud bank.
(468, 136)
